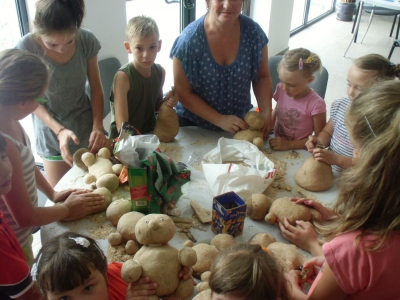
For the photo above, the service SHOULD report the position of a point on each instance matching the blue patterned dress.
(224, 88)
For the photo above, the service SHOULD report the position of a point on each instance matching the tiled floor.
(329, 38)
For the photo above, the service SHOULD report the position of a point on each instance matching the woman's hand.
(231, 123)
(64, 135)
(82, 201)
(303, 236)
(325, 212)
(97, 140)
(139, 290)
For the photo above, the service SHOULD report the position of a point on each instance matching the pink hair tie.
(300, 64)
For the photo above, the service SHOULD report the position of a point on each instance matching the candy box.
(228, 214)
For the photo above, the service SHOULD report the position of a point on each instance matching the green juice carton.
(137, 178)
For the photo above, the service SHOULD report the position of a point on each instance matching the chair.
(380, 11)
(108, 67)
(396, 43)
(318, 85)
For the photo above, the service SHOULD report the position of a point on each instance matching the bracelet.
(61, 129)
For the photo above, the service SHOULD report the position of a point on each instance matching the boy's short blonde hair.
(141, 26)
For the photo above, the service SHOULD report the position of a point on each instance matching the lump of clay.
(222, 241)
(77, 158)
(206, 254)
(117, 209)
(262, 239)
(253, 134)
(257, 206)
(107, 198)
(100, 169)
(159, 261)
(126, 225)
(283, 207)
(315, 176)
(287, 255)
(167, 124)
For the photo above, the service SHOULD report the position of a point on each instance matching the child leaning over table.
(364, 72)
(88, 276)
(137, 91)
(23, 79)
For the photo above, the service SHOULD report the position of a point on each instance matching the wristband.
(61, 129)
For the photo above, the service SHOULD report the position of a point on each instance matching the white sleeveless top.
(29, 167)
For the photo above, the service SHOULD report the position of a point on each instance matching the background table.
(189, 146)
(379, 3)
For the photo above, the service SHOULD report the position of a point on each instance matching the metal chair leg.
(395, 44)
(394, 23)
(398, 28)
(369, 24)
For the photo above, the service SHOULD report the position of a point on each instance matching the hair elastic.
(300, 64)
(81, 241)
(34, 269)
(369, 125)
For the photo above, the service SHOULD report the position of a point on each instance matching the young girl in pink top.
(360, 259)
(299, 111)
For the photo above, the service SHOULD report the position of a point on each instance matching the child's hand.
(295, 286)
(186, 273)
(62, 195)
(303, 236)
(97, 140)
(325, 212)
(171, 100)
(325, 155)
(280, 144)
(83, 201)
(139, 290)
(64, 135)
(313, 266)
(312, 141)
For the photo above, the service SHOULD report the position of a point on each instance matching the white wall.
(107, 20)
(274, 16)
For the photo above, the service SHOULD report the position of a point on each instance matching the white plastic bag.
(224, 174)
(130, 150)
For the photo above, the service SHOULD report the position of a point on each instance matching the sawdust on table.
(117, 253)
(279, 183)
(101, 227)
(173, 150)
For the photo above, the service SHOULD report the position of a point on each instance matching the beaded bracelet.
(61, 129)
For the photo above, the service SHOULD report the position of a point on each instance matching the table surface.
(384, 3)
(189, 147)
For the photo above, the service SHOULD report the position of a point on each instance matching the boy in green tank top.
(137, 89)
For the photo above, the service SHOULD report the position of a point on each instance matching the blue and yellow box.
(228, 214)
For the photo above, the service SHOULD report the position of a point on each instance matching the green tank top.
(142, 99)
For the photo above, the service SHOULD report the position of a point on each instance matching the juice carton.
(138, 189)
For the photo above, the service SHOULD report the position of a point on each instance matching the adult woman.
(69, 120)
(215, 60)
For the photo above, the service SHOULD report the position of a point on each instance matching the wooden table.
(190, 145)
(371, 3)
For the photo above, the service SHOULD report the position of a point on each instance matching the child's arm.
(331, 158)
(327, 287)
(20, 206)
(273, 118)
(97, 138)
(120, 89)
(280, 144)
(324, 137)
(160, 99)
(319, 121)
(63, 134)
(303, 236)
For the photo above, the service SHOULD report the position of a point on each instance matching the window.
(307, 12)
